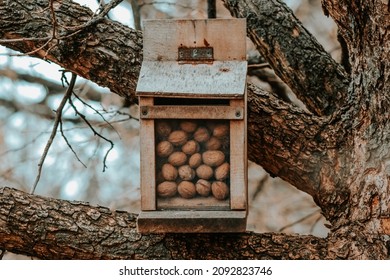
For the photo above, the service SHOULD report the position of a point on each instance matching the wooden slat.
(192, 112)
(191, 221)
(162, 38)
(196, 203)
(147, 150)
(169, 78)
(238, 162)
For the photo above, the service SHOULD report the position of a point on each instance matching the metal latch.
(201, 54)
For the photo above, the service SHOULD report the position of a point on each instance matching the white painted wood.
(171, 79)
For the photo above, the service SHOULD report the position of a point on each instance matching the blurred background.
(31, 90)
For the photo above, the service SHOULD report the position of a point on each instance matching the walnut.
(213, 158)
(195, 160)
(169, 172)
(188, 126)
(202, 134)
(204, 172)
(177, 158)
(220, 190)
(186, 189)
(186, 173)
(167, 189)
(177, 137)
(213, 144)
(221, 130)
(191, 147)
(164, 149)
(163, 129)
(203, 187)
(222, 171)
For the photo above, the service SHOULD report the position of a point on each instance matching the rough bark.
(362, 224)
(338, 153)
(110, 54)
(293, 53)
(50, 228)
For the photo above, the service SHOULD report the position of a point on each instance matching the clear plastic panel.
(192, 164)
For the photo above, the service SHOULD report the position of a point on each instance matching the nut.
(203, 187)
(213, 144)
(186, 173)
(186, 189)
(201, 134)
(204, 172)
(220, 190)
(213, 158)
(159, 178)
(167, 189)
(188, 126)
(195, 160)
(169, 172)
(163, 128)
(177, 158)
(177, 137)
(164, 149)
(222, 171)
(221, 130)
(191, 147)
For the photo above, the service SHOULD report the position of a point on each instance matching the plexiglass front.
(192, 164)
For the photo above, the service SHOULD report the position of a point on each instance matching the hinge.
(196, 54)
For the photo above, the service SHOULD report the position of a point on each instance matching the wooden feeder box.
(192, 104)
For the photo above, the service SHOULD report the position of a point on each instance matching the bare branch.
(84, 118)
(69, 145)
(54, 130)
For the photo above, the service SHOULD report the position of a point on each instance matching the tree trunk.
(337, 150)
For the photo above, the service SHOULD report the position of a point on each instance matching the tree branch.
(103, 51)
(295, 55)
(110, 54)
(49, 228)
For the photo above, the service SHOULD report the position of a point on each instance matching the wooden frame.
(166, 75)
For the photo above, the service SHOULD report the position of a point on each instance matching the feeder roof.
(164, 73)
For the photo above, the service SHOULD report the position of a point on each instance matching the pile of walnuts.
(192, 158)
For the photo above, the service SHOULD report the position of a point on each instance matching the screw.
(144, 111)
(238, 114)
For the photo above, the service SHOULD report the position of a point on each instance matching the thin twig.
(315, 223)
(97, 112)
(259, 65)
(300, 220)
(94, 131)
(76, 29)
(69, 145)
(106, 9)
(53, 134)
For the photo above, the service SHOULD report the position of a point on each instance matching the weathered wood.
(169, 78)
(193, 112)
(49, 228)
(148, 163)
(238, 161)
(171, 70)
(191, 221)
(162, 38)
(195, 203)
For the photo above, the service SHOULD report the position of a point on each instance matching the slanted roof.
(163, 73)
